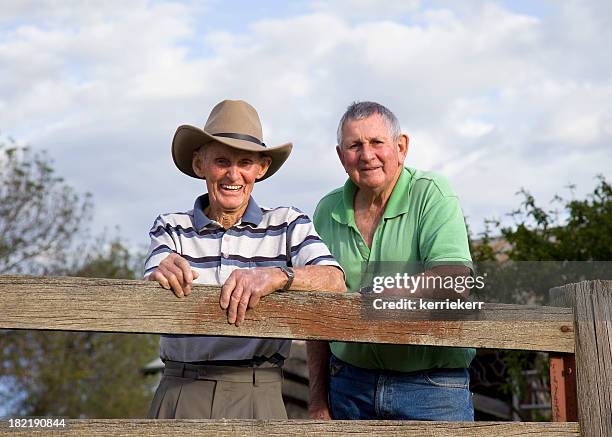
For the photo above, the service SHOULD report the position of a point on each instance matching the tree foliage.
(75, 374)
(40, 214)
(581, 230)
(569, 230)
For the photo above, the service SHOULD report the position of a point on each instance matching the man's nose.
(232, 172)
(367, 153)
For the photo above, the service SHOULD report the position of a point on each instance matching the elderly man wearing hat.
(228, 239)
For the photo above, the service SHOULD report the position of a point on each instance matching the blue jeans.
(362, 394)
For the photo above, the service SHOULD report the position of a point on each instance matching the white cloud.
(492, 98)
(366, 9)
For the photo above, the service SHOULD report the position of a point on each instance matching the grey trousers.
(189, 391)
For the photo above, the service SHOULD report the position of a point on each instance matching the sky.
(493, 95)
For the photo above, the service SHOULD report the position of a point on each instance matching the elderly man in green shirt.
(386, 212)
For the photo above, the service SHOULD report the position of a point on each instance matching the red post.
(563, 394)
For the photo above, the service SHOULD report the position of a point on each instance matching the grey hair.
(201, 151)
(361, 110)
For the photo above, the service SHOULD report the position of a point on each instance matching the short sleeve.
(443, 233)
(305, 247)
(161, 245)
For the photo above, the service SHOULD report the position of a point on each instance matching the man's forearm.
(429, 284)
(318, 359)
(444, 293)
(318, 278)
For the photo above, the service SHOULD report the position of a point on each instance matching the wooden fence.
(580, 325)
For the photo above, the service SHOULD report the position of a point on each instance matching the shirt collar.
(201, 220)
(398, 201)
(252, 214)
(397, 204)
(344, 212)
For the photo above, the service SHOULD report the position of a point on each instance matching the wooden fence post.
(592, 303)
(563, 396)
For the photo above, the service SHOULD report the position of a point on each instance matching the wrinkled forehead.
(217, 150)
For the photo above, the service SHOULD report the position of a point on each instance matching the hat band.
(240, 137)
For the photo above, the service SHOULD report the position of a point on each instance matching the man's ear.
(197, 163)
(340, 154)
(402, 144)
(264, 165)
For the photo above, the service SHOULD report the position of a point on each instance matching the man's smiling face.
(230, 175)
(370, 155)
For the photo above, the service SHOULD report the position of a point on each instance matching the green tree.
(569, 230)
(580, 231)
(40, 215)
(547, 247)
(74, 374)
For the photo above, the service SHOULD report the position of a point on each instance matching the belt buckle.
(201, 373)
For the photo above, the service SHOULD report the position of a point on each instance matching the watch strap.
(290, 276)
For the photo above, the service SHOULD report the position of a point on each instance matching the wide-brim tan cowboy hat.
(234, 123)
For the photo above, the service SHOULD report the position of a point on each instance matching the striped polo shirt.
(264, 237)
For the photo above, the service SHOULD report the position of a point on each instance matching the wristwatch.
(290, 276)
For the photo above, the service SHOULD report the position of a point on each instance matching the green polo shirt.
(422, 222)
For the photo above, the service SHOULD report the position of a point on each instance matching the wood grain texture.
(85, 304)
(593, 321)
(249, 428)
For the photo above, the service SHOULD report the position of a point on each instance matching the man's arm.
(174, 272)
(318, 360)
(318, 278)
(163, 264)
(314, 268)
(443, 241)
(430, 281)
(448, 271)
(245, 287)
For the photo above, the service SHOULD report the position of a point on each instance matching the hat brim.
(188, 139)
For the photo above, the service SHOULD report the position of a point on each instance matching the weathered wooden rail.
(273, 428)
(81, 304)
(581, 324)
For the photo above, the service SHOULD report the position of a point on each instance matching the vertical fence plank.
(592, 301)
(563, 393)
